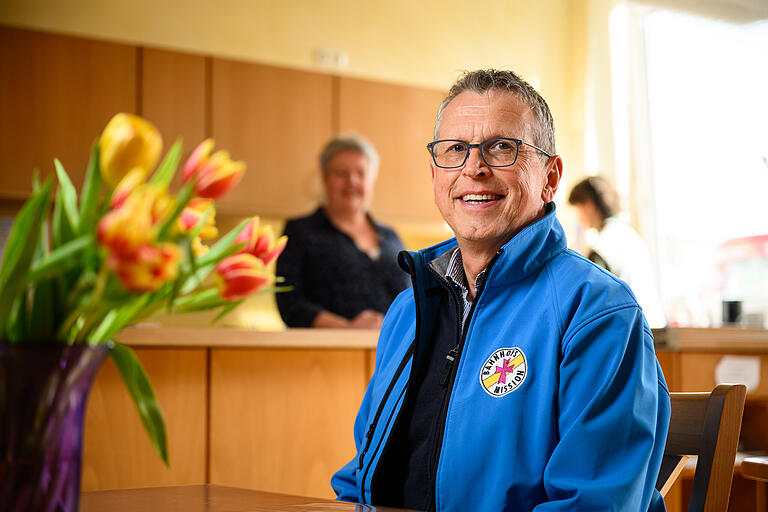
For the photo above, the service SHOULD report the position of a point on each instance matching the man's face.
(486, 204)
(348, 182)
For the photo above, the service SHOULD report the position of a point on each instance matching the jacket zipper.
(405, 260)
(372, 427)
(451, 358)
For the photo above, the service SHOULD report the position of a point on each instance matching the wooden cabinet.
(58, 92)
(117, 452)
(276, 120)
(56, 95)
(281, 420)
(174, 95)
(399, 120)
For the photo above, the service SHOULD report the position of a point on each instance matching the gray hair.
(349, 142)
(484, 80)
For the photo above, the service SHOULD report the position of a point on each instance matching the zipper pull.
(368, 435)
(449, 359)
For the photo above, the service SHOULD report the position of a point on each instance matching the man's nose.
(475, 165)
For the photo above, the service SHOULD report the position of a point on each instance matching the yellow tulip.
(128, 142)
(135, 221)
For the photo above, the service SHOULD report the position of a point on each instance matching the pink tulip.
(260, 241)
(148, 268)
(216, 174)
(193, 214)
(240, 275)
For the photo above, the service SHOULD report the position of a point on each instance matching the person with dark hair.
(514, 374)
(340, 263)
(614, 245)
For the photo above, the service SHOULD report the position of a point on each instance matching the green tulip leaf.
(227, 309)
(63, 230)
(118, 318)
(89, 202)
(67, 194)
(42, 320)
(195, 231)
(223, 247)
(61, 257)
(182, 200)
(202, 300)
(20, 250)
(143, 396)
(164, 174)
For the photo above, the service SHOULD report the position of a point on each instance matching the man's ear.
(432, 171)
(554, 171)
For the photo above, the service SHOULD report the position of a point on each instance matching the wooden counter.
(261, 410)
(274, 411)
(690, 358)
(185, 337)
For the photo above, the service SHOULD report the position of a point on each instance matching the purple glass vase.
(43, 390)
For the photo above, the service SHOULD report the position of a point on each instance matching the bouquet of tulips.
(79, 270)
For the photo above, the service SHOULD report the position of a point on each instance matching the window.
(706, 149)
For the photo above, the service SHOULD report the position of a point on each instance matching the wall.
(422, 43)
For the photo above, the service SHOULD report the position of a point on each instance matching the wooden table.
(756, 468)
(210, 498)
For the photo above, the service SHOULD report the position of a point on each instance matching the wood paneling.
(56, 95)
(281, 420)
(669, 360)
(173, 96)
(277, 121)
(697, 372)
(117, 452)
(399, 121)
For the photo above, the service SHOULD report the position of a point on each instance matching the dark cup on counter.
(731, 312)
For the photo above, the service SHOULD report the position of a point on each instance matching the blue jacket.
(558, 402)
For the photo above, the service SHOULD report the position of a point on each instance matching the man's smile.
(480, 199)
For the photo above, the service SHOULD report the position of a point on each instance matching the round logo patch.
(504, 371)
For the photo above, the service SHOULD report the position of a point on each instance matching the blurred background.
(665, 98)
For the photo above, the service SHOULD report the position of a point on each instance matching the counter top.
(671, 338)
(224, 337)
(735, 339)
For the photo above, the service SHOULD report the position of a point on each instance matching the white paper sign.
(739, 370)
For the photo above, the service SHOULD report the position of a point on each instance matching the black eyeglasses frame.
(479, 146)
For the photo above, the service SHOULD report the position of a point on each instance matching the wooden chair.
(705, 425)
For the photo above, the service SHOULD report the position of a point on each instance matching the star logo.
(504, 371)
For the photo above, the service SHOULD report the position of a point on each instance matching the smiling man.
(515, 374)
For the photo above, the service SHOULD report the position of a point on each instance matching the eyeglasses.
(495, 152)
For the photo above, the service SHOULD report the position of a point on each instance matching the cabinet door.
(276, 120)
(117, 453)
(173, 97)
(399, 121)
(56, 95)
(282, 419)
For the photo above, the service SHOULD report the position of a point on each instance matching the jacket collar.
(526, 253)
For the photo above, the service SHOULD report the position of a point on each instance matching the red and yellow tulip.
(127, 143)
(135, 221)
(240, 275)
(216, 173)
(148, 268)
(260, 241)
(193, 214)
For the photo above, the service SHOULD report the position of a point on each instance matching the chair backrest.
(705, 425)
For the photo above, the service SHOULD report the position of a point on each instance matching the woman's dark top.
(328, 272)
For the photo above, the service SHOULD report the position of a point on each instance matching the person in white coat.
(614, 245)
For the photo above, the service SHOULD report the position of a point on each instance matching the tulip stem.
(91, 309)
